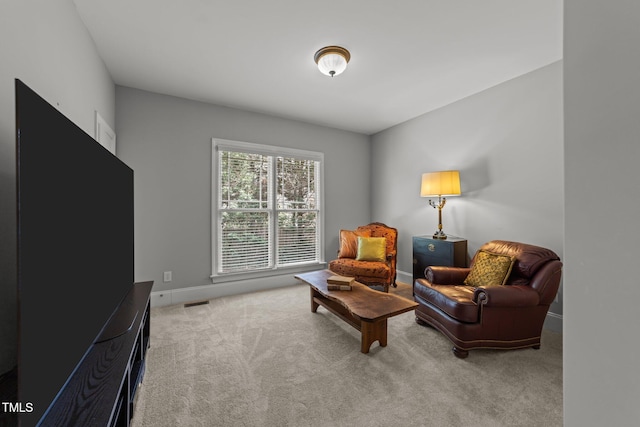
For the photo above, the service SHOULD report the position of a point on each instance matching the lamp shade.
(332, 60)
(444, 183)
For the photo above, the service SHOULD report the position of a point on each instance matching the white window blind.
(266, 207)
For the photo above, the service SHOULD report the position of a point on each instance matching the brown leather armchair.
(376, 274)
(503, 316)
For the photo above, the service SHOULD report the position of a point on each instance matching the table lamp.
(440, 184)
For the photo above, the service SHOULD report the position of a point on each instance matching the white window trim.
(218, 144)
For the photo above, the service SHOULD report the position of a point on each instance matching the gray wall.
(44, 44)
(507, 143)
(167, 142)
(602, 208)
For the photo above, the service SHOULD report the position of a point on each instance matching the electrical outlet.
(167, 276)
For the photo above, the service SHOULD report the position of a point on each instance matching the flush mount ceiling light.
(332, 60)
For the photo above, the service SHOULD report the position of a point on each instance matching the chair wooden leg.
(459, 353)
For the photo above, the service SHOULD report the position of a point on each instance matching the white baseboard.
(404, 277)
(206, 292)
(553, 322)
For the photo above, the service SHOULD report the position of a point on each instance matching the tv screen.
(75, 246)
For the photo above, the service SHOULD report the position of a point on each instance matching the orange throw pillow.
(349, 242)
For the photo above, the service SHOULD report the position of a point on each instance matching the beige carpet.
(264, 359)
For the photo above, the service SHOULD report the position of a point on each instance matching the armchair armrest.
(506, 296)
(391, 255)
(442, 275)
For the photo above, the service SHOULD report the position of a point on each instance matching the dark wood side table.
(427, 251)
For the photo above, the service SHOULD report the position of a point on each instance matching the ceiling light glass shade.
(332, 60)
(445, 183)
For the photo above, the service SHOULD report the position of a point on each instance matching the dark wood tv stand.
(102, 390)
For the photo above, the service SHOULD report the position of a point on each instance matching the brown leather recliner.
(505, 316)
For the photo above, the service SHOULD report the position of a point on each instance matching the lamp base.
(439, 235)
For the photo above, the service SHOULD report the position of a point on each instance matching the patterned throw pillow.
(371, 249)
(489, 269)
(349, 242)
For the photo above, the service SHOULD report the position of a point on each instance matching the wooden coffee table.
(365, 309)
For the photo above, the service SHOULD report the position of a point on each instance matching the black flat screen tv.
(75, 247)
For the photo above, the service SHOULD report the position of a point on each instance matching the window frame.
(217, 145)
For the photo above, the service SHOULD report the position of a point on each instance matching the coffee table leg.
(383, 333)
(372, 332)
(314, 305)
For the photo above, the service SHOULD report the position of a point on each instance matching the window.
(266, 207)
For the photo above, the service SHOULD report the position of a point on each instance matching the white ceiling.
(407, 57)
